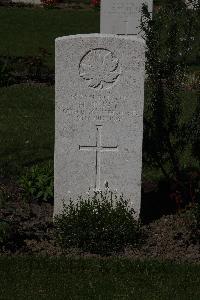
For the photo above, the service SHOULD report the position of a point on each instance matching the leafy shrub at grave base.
(102, 224)
(37, 182)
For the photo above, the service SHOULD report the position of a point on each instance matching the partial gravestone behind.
(123, 16)
(99, 116)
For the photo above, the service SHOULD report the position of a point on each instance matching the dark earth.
(170, 237)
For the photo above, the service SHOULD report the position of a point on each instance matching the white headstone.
(122, 16)
(99, 116)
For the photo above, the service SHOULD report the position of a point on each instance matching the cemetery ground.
(92, 278)
(27, 139)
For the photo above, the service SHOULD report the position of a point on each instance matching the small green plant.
(101, 224)
(37, 183)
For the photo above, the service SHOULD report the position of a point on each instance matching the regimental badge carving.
(100, 68)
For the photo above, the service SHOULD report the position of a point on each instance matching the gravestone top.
(122, 16)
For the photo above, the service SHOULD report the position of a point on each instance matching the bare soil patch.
(170, 237)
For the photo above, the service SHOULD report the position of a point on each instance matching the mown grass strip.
(93, 278)
(23, 31)
(27, 125)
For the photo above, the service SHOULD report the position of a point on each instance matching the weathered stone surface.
(122, 16)
(99, 116)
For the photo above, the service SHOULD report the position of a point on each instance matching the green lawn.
(26, 126)
(89, 278)
(23, 31)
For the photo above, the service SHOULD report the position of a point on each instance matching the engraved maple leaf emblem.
(100, 68)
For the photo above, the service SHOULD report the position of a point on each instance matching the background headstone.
(99, 116)
(122, 16)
